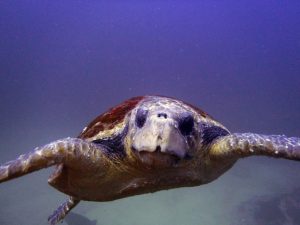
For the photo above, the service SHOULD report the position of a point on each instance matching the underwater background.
(64, 62)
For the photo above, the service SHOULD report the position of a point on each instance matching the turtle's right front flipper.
(240, 145)
(61, 151)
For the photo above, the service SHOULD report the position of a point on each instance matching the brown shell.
(110, 118)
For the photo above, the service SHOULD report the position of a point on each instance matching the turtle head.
(163, 132)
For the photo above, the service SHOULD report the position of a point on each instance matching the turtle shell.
(110, 119)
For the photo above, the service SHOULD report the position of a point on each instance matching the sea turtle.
(143, 145)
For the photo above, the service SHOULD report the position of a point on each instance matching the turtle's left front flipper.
(238, 145)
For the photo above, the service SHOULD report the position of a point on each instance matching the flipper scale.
(61, 151)
(247, 144)
(60, 213)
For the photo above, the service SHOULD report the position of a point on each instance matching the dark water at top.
(64, 62)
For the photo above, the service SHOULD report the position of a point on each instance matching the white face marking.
(160, 130)
(160, 133)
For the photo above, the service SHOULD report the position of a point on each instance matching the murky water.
(62, 63)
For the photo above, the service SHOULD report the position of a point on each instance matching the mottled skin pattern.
(143, 145)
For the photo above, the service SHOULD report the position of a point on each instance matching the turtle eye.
(186, 125)
(141, 117)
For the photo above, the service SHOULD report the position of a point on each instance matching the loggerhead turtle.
(143, 145)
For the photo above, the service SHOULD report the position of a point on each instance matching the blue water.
(64, 62)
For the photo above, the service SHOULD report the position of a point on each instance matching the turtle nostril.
(162, 115)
